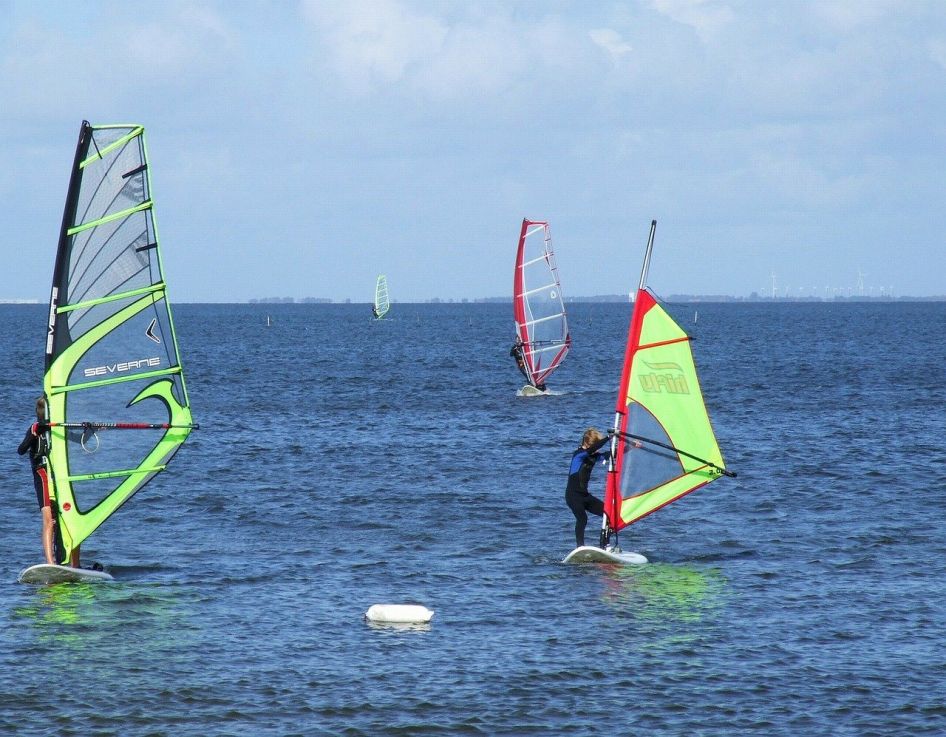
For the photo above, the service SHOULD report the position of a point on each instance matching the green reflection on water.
(664, 592)
(118, 623)
(669, 606)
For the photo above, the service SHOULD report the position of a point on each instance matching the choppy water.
(343, 462)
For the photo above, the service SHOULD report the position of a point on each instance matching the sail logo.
(664, 377)
(150, 331)
(51, 330)
(118, 368)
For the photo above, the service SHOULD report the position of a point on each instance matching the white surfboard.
(530, 391)
(398, 613)
(593, 554)
(45, 573)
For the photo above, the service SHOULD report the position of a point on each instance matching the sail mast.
(650, 247)
(611, 487)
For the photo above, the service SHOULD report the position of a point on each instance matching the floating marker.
(400, 613)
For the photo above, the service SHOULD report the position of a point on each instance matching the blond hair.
(41, 409)
(592, 435)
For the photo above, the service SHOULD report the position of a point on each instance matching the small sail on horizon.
(381, 302)
(663, 445)
(114, 386)
(538, 304)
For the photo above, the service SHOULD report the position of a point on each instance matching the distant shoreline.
(670, 298)
(688, 298)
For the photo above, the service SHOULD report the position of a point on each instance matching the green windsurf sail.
(663, 444)
(118, 407)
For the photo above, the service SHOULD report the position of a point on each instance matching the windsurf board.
(45, 573)
(593, 554)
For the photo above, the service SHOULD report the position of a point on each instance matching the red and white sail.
(538, 305)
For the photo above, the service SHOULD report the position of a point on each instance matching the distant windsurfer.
(577, 497)
(516, 352)
(35, 443)
(374, 311)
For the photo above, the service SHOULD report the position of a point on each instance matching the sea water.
(344, 462)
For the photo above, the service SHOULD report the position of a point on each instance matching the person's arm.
(596, 446)
(27, 442)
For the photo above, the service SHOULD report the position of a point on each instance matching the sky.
(300, 148)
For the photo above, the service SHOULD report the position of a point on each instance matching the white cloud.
(375, 41)
(181, 42)
(475, 58)
(706, 17)
(46, 68)
(611, 41)
(457, 52)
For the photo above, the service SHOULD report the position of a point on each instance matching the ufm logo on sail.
(664, 377)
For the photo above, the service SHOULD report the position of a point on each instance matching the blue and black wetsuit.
(576, 491)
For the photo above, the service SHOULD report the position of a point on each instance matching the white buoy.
(400, 613)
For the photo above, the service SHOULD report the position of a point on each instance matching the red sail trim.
(643, 303)
(518, 296)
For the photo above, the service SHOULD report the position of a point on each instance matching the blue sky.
(300, 148)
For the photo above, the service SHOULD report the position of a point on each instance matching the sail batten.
(116, 474)
(159, 287)
(556, 316)
(109, 218)
(539, 289)
(664, 446)
(538, 303)
(111, 351)
(116, 380)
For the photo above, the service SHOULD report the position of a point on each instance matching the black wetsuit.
(37, 450)
(576, 491)
(516, 352)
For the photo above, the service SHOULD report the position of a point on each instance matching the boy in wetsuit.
(35, 443)
(576, 491)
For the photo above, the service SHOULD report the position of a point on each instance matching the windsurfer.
(374, 311)
(35, 443)
(576, 491)
(516, 352)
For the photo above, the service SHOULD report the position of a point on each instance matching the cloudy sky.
(299, 148)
